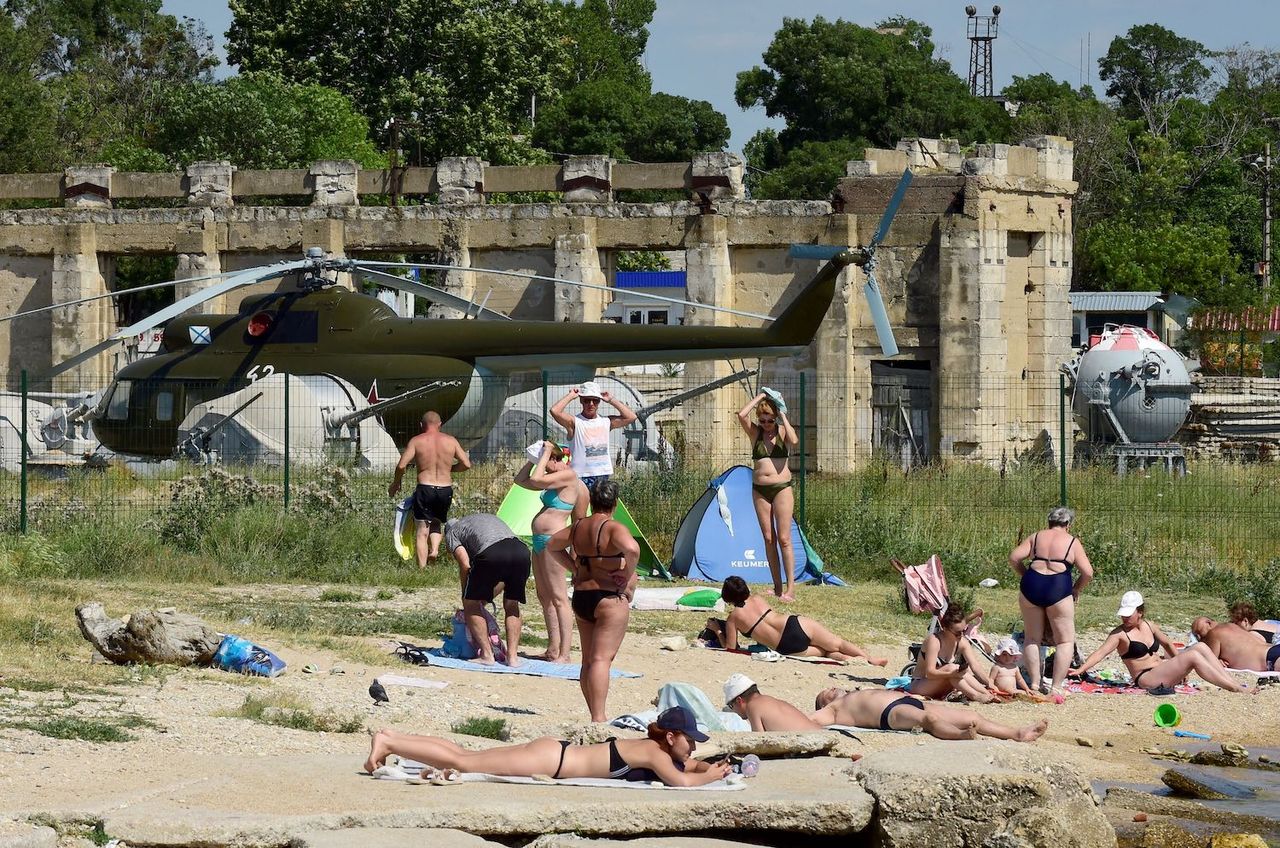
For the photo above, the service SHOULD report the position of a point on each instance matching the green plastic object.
(700, 599)
(1167, 715)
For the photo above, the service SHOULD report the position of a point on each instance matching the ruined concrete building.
(975, 269)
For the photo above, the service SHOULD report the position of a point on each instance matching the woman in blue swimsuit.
(564, 497)
(663, 756)
(1048, 593)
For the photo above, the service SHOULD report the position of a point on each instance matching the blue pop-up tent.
(720, 537)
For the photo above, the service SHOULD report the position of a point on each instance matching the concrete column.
(841, 390)
(578, 259)
(87, 186)
(461, 180)
(335, 183)
(209, 183)
(588, 179)
(455, 249)
(718, 176)
(200, 256)
(711, 426)
(78, 274)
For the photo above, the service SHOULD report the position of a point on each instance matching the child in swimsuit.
(1006, 674)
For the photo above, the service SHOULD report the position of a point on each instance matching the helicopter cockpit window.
(164, 406)
(118, 406)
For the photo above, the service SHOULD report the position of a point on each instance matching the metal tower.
(982, 31)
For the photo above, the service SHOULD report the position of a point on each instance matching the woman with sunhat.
(564, 497)
(1139, 641)
(663, 756)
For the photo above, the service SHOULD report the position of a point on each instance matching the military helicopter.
(463, 369)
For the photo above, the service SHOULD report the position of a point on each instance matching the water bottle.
(749, 767)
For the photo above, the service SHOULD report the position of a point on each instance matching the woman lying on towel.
(793, 635)
(664, 756)
(949, 663)
(1139, 642)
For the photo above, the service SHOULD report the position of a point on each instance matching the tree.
(607, 40)
(27, 133)
(810, 170)
(466, 70)
(1150, 69)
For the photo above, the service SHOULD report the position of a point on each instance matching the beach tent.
(520, 506)
(720, 537)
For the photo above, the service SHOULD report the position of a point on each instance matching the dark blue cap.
(680, 720)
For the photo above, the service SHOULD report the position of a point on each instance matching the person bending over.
(489, 555)
(1138, 642)
(604, 581)
(663, 756)
(948, 662)
(889, 710)
(765, 712)
(793, 635)
(1235, 646)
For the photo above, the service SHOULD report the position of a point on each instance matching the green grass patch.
(283, 711)
(489, 728)
(341, 596)
(83, 729)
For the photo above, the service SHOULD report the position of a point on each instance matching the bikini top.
(753, 627)
(780, 450)
(551, 500)
(956, 656)
(584, 559)
(1063, 559)
(1137, 650)
(619, 767)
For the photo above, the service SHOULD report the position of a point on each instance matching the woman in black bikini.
(948, 663)
(663, 756)
(793, 635)
(1048, 594)
(604, 581)
(1138, 642)
(1245, 615)
(772, 438)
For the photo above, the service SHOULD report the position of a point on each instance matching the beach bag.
(459, 643)
(244, 657)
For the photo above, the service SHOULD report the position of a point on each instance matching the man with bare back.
(1236, 647)
(886, 709)
(438, 456)
(765, 712)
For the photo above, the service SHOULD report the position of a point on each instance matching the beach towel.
(408, 768)
(1095, 689)
(854, 730)
(416, 682)
(534, 668)
(669, 599)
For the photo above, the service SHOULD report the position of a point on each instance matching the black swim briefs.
(431, 503)
(505, 562)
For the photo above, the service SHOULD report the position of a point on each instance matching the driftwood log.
(161, 636)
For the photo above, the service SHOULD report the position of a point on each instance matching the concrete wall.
(974, 271)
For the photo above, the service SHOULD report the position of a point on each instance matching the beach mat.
(1094, 689)
(409, 768)
(533, 668)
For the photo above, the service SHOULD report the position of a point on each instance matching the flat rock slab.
(387, 837)
(765, 745)
(1132, 799)
(247, 802)
(1208, 787)
(21, 834)
(569, 840)
(981, 795)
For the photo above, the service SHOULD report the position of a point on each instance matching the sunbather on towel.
(794, 635)
(664, 756)
(765, 712)
(886, 709)
(1235, 646)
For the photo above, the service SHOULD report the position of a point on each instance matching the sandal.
(446, 777)
(411, 653)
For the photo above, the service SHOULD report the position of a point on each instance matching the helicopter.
(464, 369)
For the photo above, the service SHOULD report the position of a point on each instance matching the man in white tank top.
(589, 453)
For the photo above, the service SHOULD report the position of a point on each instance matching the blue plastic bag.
(244, 657)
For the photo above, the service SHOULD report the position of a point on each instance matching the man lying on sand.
(890, 710)
(1235, 646)
(765, 712)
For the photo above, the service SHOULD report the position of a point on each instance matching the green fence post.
(544, 407)
(803, 442)
(22, 452)
(286, 441)
(1062, 439)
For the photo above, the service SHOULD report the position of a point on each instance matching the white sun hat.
(590, 389)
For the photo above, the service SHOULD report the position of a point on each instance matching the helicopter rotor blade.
(821, 252)
(155, 319)
(879, 316)
(117, 293)
(544, 278)
(431, 293)
(891, 210)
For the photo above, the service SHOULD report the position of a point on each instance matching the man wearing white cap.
(763, 711)
(589, 454)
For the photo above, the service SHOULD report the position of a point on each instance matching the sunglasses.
(590, 400)
(766, 420)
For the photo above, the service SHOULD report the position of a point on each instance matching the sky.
(697, 47)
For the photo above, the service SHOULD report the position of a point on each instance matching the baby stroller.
(924, 589)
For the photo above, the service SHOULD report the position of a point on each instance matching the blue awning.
(649, 280)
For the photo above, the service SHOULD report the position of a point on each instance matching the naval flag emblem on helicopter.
(200, 335)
